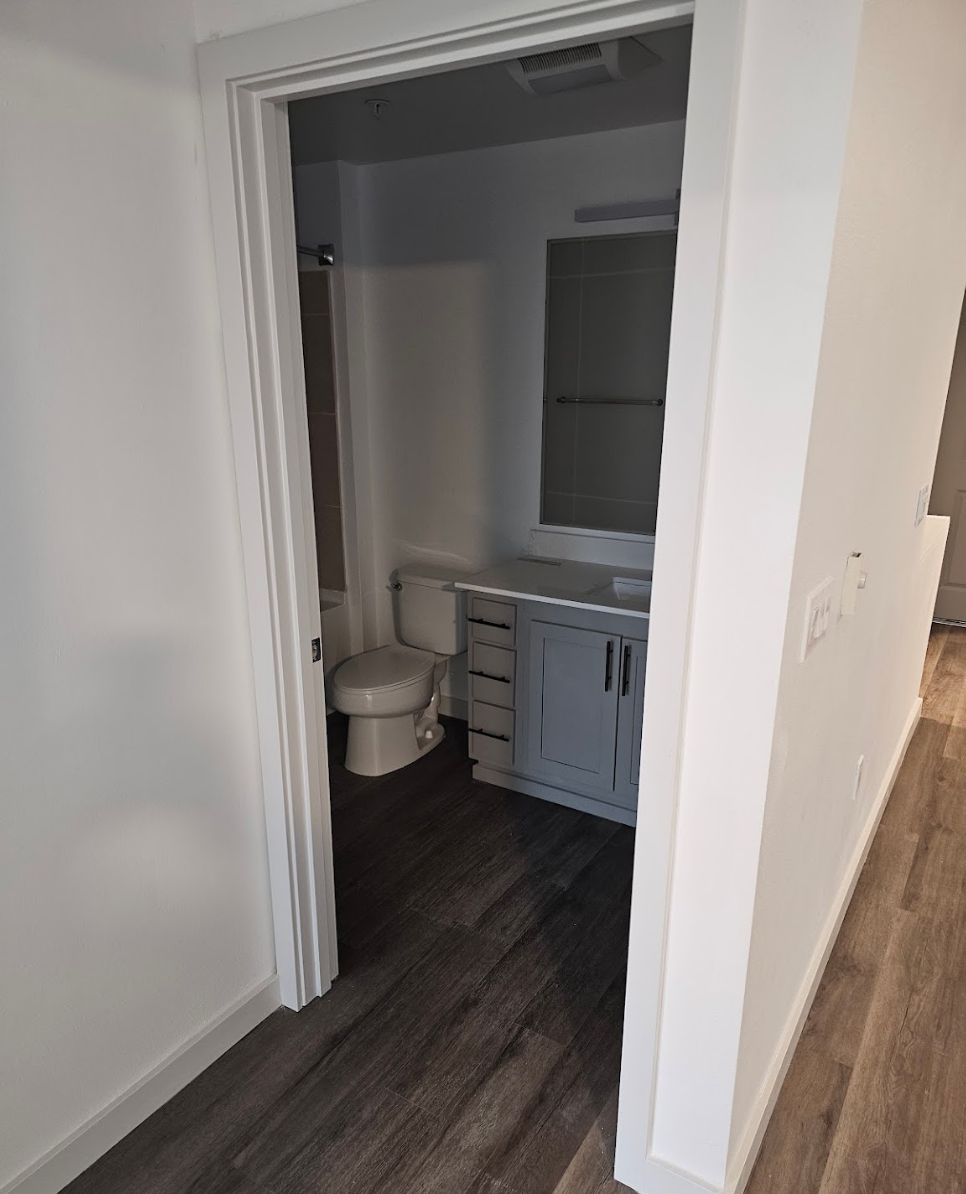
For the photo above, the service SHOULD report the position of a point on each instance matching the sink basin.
(633, 594)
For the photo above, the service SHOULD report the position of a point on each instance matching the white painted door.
(949, 488)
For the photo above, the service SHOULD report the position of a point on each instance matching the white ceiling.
(482, 106)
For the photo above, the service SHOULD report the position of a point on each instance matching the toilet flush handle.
(395, 584)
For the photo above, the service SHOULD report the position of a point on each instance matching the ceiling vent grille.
(581, 66)
(555, 59)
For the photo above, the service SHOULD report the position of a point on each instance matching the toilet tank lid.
(431, 576)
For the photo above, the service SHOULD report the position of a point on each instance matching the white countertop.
(567, 582)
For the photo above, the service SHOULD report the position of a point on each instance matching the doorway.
(512, 380)
(248, 142)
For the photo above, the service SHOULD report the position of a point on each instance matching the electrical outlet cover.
(818, 616)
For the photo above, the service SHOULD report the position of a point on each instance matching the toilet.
(391, 694)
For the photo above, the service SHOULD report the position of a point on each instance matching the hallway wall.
(891, 314)
(134, 905)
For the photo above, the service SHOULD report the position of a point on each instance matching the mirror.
(607, 335)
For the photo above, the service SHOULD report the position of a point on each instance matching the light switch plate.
(859, 767)
(922, 504)
(818, 616)
(853, 581)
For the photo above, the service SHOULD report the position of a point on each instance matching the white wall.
(221, 18)
(134, 902)
(453, 262)
(838, 311)
(892, 309)
(785, 171)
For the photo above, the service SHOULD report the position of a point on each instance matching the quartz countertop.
(566, 582)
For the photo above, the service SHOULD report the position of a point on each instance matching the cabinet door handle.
(495, 625)
(488, 676)
(626, 682)
(609, 667)
(488, 734)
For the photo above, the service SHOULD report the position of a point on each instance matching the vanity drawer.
(492, 673)
(491, 734)
(492, 621)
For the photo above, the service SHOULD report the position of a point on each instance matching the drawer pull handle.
(495, 625)
(488, 676)
(625, 686)
(609, 666)
(487, 734)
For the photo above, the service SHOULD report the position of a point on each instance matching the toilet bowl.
(391, 694)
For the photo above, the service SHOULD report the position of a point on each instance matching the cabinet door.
(630, 715)
(573, 705)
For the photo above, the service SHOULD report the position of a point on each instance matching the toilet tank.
(430, 612)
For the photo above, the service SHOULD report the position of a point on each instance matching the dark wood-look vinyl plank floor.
(875, 1098)
(471, 1044)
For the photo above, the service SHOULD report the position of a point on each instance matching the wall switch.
(818, 616)
(922, 504)
(854, 580)
(858, 776)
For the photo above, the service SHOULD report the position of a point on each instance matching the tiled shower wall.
(323, 427)
(608, 330)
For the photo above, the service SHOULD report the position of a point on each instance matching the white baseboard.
(661, 1178)
(747, 1151)
(68, 1159)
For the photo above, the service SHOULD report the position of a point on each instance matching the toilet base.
(378, 745)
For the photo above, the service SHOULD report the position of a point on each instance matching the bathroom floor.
(471, 1044)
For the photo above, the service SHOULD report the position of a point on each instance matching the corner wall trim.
(747, 1151)
(67, 1160)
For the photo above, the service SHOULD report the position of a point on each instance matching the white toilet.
(391, 694)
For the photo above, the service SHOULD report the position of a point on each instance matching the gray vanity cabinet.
(630, 717)
(556, 701)
(572, 703)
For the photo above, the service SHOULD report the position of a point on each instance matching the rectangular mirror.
(607, 335)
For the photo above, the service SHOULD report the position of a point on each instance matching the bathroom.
(433, 337)
(486, 275)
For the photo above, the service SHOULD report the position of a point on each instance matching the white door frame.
(246, 81)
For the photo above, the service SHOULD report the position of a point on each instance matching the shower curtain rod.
(324, 254)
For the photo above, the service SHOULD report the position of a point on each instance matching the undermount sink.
(635, 594)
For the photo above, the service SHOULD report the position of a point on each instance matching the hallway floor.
(471, 1044)
(875, 1099)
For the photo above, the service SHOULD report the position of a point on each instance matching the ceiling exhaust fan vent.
(581, 66)
(555, 59)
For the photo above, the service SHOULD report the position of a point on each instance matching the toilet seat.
(388, 695)
(384, 670)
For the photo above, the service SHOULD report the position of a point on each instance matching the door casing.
(246, 83)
